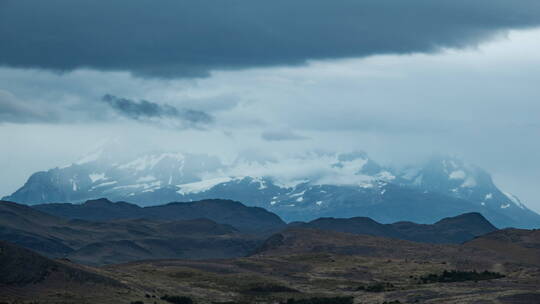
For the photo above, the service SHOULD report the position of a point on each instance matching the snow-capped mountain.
(101, 174)
(451, 176)
(298, 188)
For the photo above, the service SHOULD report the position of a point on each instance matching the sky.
(400, 80)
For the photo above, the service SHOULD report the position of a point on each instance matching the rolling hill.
(96, 243)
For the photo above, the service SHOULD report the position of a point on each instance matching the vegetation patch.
(460, 276)
(377, 287)
(336, 300)
(177, 299)
(269, 288)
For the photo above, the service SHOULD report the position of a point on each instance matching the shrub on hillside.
(270, 288)
(177, 299)
(377, 287)
(460, 276)
(336, 300)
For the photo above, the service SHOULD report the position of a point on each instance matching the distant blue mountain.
(303, 188)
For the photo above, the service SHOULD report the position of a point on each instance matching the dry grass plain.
(303, 264)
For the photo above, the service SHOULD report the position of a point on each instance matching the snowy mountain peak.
(300, 187)
(454, 177)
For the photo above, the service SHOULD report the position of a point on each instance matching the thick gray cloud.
(172, 38)
(147, 111)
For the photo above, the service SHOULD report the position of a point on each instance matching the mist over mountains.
(300, 188)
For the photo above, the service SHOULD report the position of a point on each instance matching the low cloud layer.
(281, 135)
(146, 111)
(13, 110)
(190, 38)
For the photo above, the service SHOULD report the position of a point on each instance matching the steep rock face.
(298, 189)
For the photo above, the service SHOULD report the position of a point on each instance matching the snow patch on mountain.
(104, 184)
(144, 186)
(73, 185)
(95, 177)
(298, 194)
(147, 178)
(514, 199)
(261, 182)
(291, 184)
(470, 182)
(148, 162)
(202, 186)
(458, 174)
(91, 157)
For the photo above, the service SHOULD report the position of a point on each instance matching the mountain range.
(235, 214)
(183, 234)
(102, 232)
(301, 188)
(458, 229)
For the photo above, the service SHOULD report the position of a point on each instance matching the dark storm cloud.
(282, 135)
(189, 38)
(145, 110)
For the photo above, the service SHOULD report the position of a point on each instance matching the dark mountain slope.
(449, 230)
(27, 277)
(24, 226)
(517, 248)
(124, 240)
(511, 245)
(247, 219)
(456, 229)
(355, 225)
(304, 241)
(20, 267)
(93, 210)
